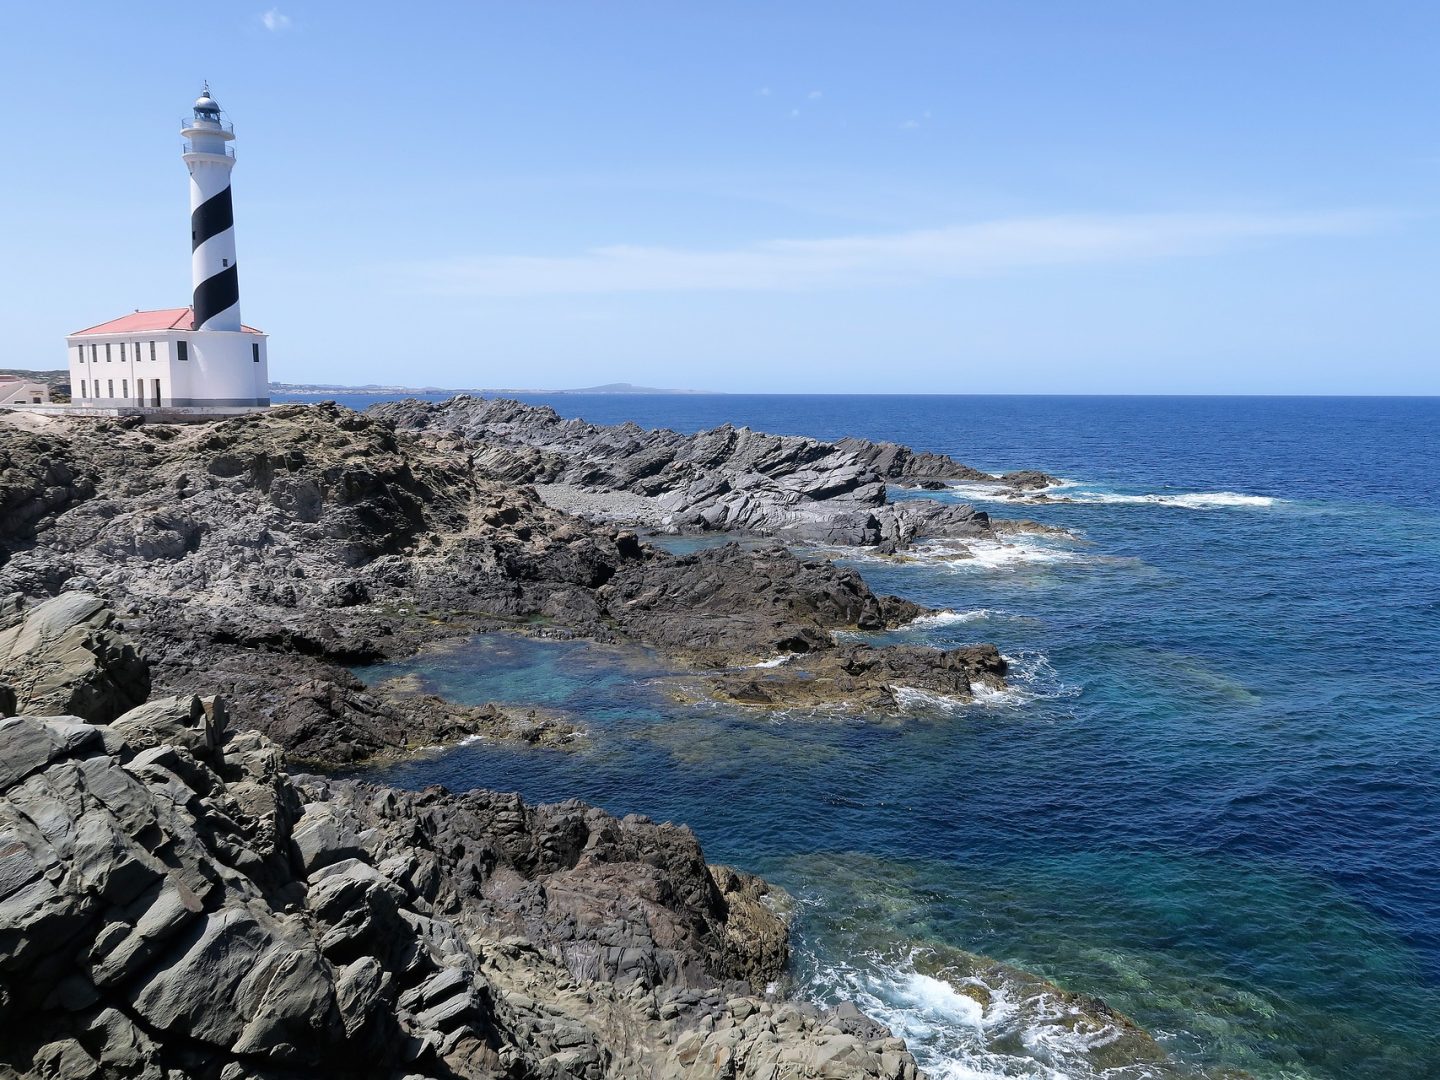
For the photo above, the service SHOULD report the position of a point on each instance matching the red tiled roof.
(138, 322)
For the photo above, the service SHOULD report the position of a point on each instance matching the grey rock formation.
(723, 478)
(70, 655)
(736, 604)
(188, 909)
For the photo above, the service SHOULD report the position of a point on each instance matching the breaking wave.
(981, 1026)
(1075, 491)
(1196, 500)
(948, 618)
(1009, 554)
(1030, 677)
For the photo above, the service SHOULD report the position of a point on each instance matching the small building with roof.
(18, 390)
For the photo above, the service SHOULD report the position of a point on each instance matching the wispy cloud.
(814, 95)
(889, 259)
(275, 20)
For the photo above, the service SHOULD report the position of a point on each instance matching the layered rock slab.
(186, 908)
(724, 478)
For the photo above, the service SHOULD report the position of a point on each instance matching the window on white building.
(152, 350)
(255, 351)
(157, 393)
(124, 387)
(94, 354)
(182, 351)
(109, 388)
(107, 352)
(82, 387)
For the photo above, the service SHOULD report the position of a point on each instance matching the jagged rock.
(176, 721)
(72, 655)
(724, 478)
(861, 677)
(417, 934)
(746, 603)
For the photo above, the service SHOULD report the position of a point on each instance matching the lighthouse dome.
(206, 104)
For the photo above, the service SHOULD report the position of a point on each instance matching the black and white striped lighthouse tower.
(213, 274)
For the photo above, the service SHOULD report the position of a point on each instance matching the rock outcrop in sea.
(724, 478)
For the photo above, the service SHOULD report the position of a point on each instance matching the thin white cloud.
(910, 125)
(891, 259)
(815, 95)
(764, 91)
(275, 20)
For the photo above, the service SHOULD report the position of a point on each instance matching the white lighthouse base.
(224, 370)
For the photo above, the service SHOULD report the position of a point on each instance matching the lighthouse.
(199, 359)
(214, 278)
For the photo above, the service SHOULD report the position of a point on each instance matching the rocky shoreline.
(182, 608)
(726, 478)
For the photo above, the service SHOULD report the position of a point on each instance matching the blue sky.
(1102, 197)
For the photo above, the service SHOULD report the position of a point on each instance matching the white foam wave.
(912, 699)
(1077, 491)
(960, 1035)
(986, 493)
(1195, 500)
(995, 554)
(948, 618)
(995, 697)
(774, 661)
(937, 998)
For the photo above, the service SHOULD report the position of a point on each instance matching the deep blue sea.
(1211, 798)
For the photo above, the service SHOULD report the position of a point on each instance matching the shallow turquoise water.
(1213, 798)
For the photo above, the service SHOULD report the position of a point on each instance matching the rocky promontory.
(728, 478)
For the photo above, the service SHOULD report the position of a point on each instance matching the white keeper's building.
(200, 357)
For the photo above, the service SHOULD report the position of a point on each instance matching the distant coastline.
(390, 391)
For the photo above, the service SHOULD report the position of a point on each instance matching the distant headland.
(390, 391)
